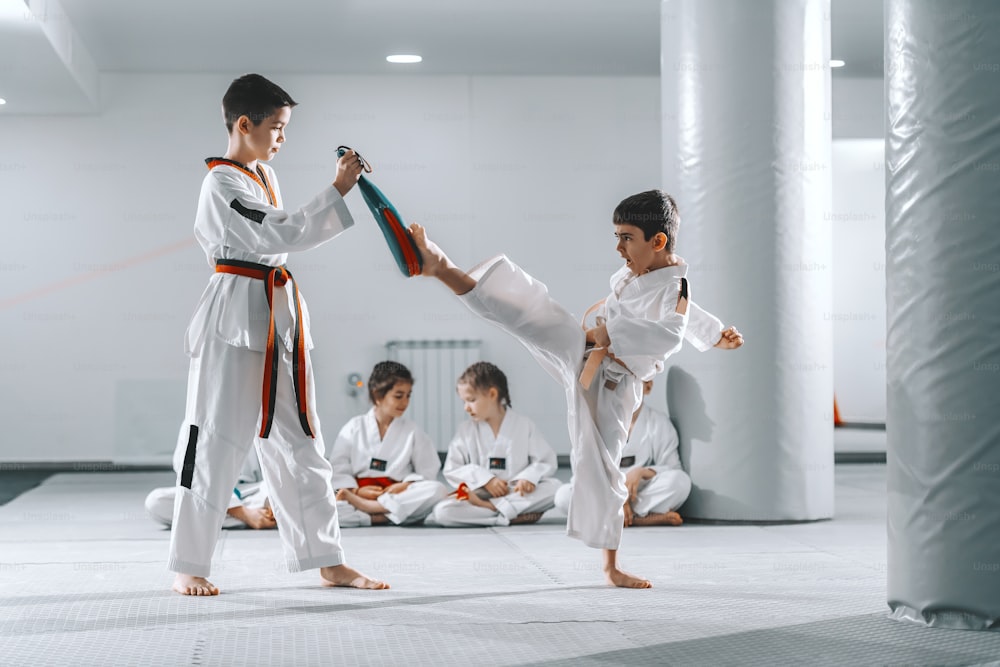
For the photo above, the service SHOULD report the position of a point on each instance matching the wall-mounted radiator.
(436, 365)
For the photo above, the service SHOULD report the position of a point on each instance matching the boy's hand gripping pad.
(400, 242)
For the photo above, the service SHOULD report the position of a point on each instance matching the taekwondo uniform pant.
(663, 493)
(411, 506)
(598, 418)
(222, 421)
(453, 513)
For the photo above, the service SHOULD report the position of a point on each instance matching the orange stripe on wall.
(45, 290)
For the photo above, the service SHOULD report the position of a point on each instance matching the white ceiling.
(513, 37)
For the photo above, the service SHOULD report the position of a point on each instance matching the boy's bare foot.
(618, 577)
(186, 584)
(437, 264)
(433, 257)
(658, 519)
(527, 517)
(623, 579)
(347, 577)
(367, 506)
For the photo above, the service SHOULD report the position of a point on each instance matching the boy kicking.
(643, 321)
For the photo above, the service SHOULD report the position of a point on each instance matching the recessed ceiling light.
(2, 101)
(837, 63)
(404, 59)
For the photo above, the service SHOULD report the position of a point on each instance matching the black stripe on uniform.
(272, 389)
(187, 471)
(267, 185)
(299, 398)
(248, 213)
(246, 265)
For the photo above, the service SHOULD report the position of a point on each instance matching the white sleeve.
(340, 456)
(246, 223)
(541, 457)
(704, 329)
(426, 462)
(458, 466)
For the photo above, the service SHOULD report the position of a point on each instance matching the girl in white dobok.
(384, 466)
(498, 461)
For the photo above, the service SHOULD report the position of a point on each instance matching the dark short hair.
(653, 211)
(255, 97)
(384, 377)
(483, 376)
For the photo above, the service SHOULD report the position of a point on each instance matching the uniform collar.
(624, 277)
(260, 178)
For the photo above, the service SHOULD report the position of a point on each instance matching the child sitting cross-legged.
(384, 466)
(498, 461)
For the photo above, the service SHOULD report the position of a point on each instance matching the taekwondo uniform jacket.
(652, 443)
(517, 452)
(405, 454)
(240, 218)
(643, 325)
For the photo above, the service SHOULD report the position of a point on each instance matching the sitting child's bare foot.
(186, 584)
(623, 579)
(348, 577)
(433, 257)
(379, 519)
(474, 499)
(366, 505)
(527, 517)
(658, 519)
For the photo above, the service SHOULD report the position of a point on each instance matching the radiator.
(435, 365)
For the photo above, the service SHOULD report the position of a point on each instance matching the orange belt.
(594, 360)
(593, 363)
(596, 356)
(276, 276)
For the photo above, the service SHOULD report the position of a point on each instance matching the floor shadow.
(688, 412)
(203, 610)
(871, 639)
(15, 482)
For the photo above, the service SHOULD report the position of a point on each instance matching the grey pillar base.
(952, 620)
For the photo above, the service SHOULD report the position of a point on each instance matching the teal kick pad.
(397, 237)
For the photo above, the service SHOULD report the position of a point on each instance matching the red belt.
(384, 482)
(276, 276)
